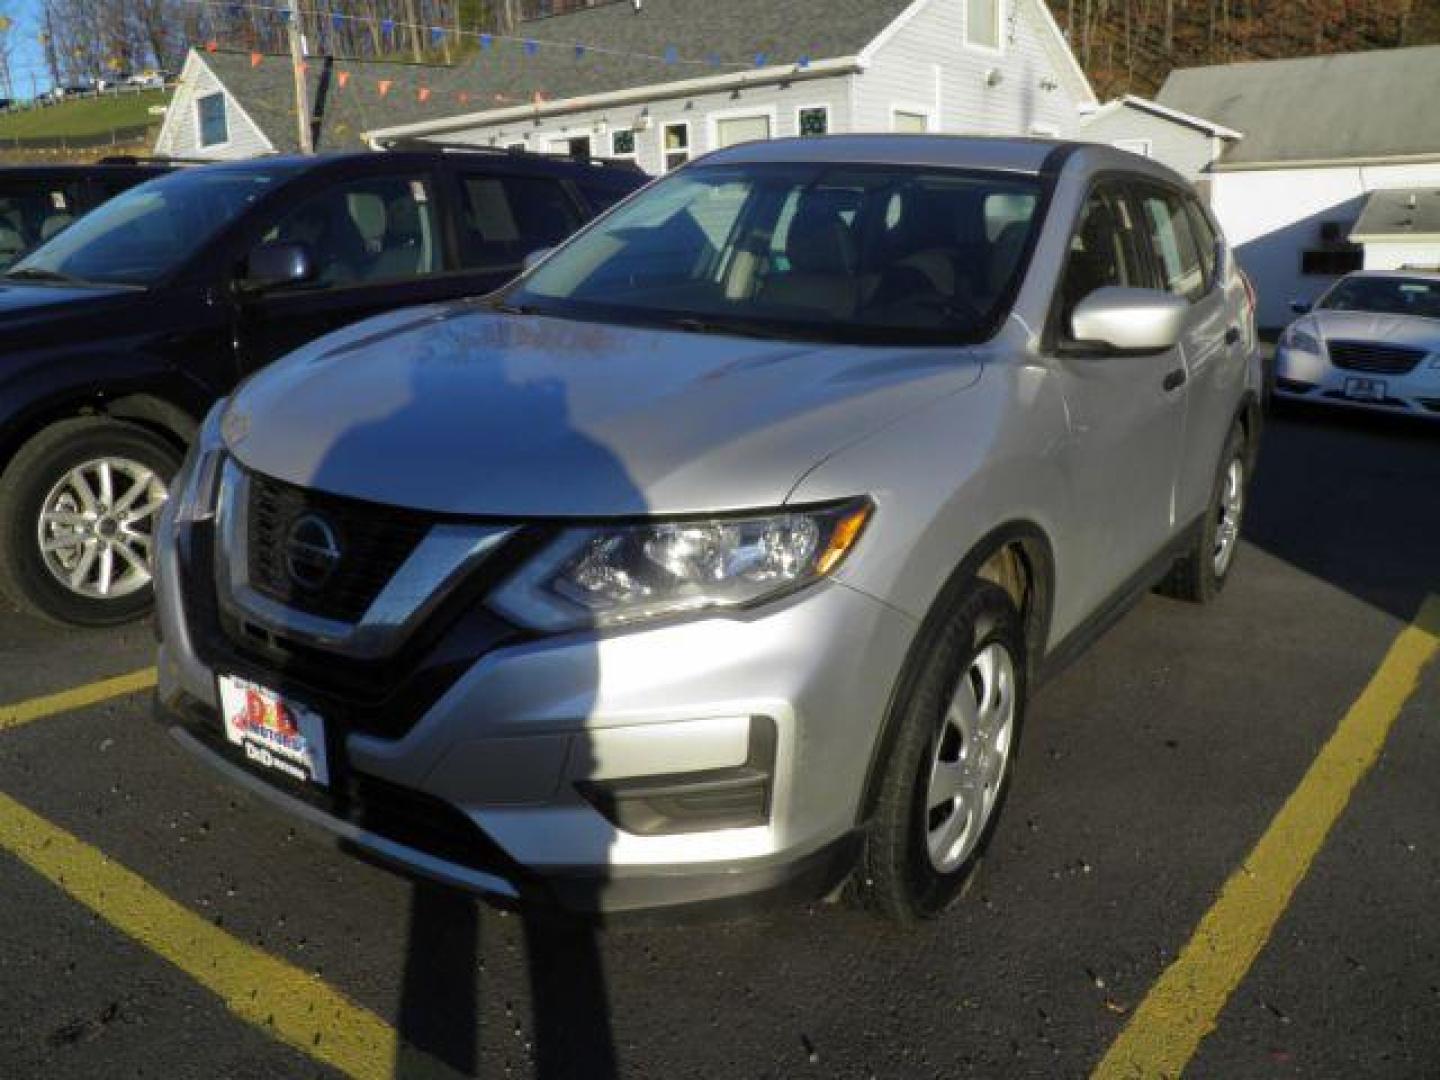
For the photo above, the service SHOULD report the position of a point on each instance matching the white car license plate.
(1365, 389)
(274, 733)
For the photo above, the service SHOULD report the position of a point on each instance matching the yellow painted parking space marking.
(1185, 1004)
(289, 1004)
(79, 698)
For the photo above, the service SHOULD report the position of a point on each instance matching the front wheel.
(79, 506)
(1201, 573)
(947, 775)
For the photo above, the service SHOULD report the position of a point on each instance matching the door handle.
(1175, 380)
(1232, 335)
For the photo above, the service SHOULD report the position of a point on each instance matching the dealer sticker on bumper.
(274, 733)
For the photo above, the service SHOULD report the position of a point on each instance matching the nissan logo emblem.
(312, 551)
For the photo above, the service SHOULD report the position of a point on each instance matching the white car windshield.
(1385, 295)
(903, 254)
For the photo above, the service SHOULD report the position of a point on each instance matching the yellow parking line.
(79, 698)
(1185, 1004)
(290, 1005)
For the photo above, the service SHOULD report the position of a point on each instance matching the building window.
(814, 121)
(676, 143)
(909, 121)
(213, 127)
(622, 144)
(730, 130)
(1332, 262)
(516, 147)
(982, 23)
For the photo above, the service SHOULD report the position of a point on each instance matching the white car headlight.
(1300, 341)
(193, 493)
(616, 574)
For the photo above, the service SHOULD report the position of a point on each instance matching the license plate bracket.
(1366, 389)
(274, 732)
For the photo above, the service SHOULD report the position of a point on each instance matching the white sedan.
(1372, 342)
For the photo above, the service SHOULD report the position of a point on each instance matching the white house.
(1188, 144)
(665, 80)
(1320, 136)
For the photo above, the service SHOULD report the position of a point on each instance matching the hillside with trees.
(1125, 45)
(1131, 45)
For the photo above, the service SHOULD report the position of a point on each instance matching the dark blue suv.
(117, 334)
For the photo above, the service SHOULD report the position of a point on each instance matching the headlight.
(1300, 341)
(195, 485)
(611, 575)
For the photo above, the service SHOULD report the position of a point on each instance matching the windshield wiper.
(37, 273)
(738, 329)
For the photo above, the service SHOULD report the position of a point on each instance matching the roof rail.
(409, 142)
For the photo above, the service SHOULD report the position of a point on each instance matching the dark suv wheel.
(78, 510)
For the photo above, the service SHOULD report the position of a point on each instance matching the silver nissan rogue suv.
(720, 552)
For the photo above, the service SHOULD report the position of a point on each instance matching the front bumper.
(491, 785)
(1305, 376)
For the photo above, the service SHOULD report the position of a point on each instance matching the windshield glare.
(141, 236)
(901, 254)
(1385, 295)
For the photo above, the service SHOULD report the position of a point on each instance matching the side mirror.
(277, 265)
(1129, 320)
(534, 259)
(1301, 307)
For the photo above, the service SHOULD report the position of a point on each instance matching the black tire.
(897, 877)
(31, 475)
(1195, 576)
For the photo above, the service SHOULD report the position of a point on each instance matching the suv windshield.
(1386, 295)
(902, 254)
(141, 236)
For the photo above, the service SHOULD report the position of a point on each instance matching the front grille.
(373, 541)
(1375, 359)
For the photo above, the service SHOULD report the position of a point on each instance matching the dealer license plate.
(1365, 389)
(274, 733)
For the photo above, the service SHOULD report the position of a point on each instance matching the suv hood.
(464, 410)
(1407, 330)
(21, 301)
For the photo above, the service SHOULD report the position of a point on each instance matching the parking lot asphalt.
(159, 921)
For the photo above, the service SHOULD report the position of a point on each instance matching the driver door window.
(371, 229)
(1101, 254)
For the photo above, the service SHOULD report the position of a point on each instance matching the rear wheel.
(78, 509)
(1201, 573)
(947, 776)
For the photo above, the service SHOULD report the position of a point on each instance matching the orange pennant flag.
(304, 68)
(255, 59)
(212, 46)
(464, 97)
(423, 94)
(384, 86)
(342, 78)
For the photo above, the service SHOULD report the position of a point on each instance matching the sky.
(28, 58)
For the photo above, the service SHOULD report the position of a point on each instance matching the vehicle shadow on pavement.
(1349, 498)
(466, 393)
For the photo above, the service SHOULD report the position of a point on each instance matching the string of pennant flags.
(489, 43)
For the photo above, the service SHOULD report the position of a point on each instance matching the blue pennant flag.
(531, 47)
(760, 59)
(387, 27)
(486, 41)
(579, 52)
(672, 54)
(804, 63)
(437, 35)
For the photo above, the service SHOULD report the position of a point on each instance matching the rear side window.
(1207, 240)
(370, 229)
(1168, 227)
(32, 214)
(505, 218)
